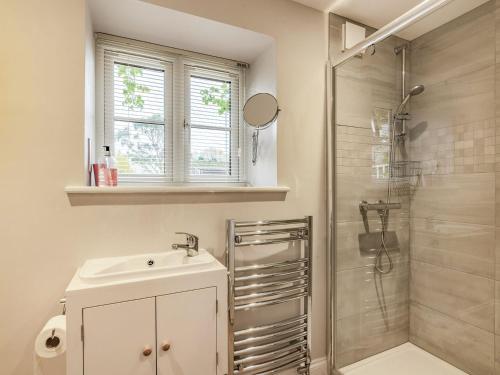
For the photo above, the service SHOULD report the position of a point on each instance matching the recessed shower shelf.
(92, 195)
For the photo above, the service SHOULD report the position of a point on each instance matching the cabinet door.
(186, 333)
(117, 338)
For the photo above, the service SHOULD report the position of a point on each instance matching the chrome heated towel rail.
(278, 344)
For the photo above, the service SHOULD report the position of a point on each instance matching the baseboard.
(318, 367)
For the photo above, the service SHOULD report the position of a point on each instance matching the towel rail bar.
(276, 345)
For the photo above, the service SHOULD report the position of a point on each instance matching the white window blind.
(169, 118)
(213, 122)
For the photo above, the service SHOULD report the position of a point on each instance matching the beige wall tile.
(464, 99)
(497, 84)
(497, 355)
(460, 90)
(497, 253)
(497, 308)
(363, 289)
(362, 152)
(359, 97)
(463, 345)
(461, 295)
(371, 332)
(352, 189)
(497, 29)
(497, 189)
(439, 55)
(464, 198)
(497, 198)
(455, 149)
(453, 133)
(464, 247)
(349, 254)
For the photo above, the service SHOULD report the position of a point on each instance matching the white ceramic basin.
(144, 265)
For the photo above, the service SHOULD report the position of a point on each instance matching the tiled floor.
(406, 359)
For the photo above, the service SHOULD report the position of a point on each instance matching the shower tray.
(406, 359)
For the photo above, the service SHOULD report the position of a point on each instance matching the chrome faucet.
(191, 244)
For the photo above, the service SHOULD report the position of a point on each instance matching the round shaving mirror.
(260, 112)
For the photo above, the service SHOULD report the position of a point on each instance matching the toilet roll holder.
(53, 341)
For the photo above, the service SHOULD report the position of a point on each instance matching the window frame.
(176, 65)
(108, 131)
(235, 133)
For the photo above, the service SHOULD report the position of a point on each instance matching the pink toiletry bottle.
(99, 170)
(110, 169)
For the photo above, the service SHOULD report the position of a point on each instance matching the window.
(169, 117)
(212, 116)
(139, 119)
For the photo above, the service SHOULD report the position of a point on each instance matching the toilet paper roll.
(49, 366)
(58, 325)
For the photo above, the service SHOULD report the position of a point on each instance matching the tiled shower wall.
(452, 228)
(372, 310)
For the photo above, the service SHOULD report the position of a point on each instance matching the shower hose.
(382, 250)
(384, 214)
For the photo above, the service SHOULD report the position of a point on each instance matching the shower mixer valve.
(378, 243)
(381, 207)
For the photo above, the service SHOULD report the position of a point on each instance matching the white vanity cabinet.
(150, 336)
(191, 347)
(117, 337)
(175, 325)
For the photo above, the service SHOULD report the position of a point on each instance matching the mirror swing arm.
(255, 137)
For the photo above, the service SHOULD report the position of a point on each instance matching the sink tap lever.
(191, 244)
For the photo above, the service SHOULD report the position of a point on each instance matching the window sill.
(129, 195)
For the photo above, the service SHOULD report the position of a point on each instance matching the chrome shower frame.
(413, 15)
(402, 50)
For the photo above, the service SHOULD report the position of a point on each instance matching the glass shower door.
(371, 245)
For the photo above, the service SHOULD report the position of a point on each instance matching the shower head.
(416, 90)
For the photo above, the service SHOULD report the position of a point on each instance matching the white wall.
(43, 239)
(89, 86)
(261, 77)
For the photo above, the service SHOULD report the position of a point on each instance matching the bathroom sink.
(144, 265)
(117, 308)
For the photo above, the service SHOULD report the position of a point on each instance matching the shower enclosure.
(412, 187)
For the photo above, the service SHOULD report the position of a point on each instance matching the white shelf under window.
(92, 195)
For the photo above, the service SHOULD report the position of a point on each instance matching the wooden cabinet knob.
(146, 352)
(165, 346)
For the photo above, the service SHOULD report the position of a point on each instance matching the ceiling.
(139, 20)
(377, 13)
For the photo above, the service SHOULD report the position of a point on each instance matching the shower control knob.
(146, 352)
(165, 346)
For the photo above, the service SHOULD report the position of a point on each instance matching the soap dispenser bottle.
(110, 171)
